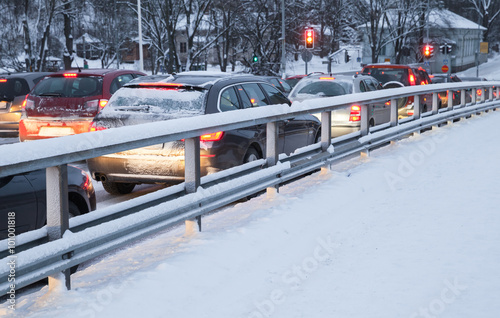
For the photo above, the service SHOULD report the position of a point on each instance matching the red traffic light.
(309, 38)
(428, 51)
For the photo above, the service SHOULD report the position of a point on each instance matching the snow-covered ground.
(411, 231)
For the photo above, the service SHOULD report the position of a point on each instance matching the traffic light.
(347, 57)
(255, 58)
(428, 51)
(309, 38)
(445, 49)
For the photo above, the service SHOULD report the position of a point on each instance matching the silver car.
(345, 120)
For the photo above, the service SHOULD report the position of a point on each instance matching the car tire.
(251, 155)
(118, 187)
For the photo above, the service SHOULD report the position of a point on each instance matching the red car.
(65, 102)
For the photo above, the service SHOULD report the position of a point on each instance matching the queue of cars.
(46, 105)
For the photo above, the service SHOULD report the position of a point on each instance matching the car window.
(362, 87)
(285, 85)
(252, 95)
(371, 85)
(229, 100)
(119, 81)
(275, 96)
(13, 87)
(323, 88)
(59, 86)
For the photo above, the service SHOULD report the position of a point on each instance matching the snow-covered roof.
(88, 39)
(442, 18)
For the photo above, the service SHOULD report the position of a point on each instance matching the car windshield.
(171, 103)
(78, 86)
(319, 88)
(12, 87)
(385, 75)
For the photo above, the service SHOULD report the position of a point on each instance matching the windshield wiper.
(51, 94)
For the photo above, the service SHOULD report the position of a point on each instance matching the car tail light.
(410, 112)
(70, 75)
(412, 79)
(212, 137)
(355, 113)
(27, 103)
(3, 80)
(163, 85)
(96, 127)
(102, 103)
(96, 103)
(479, 92)
(327, 78)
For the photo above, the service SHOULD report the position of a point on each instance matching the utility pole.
(283, 52)
(141, 59)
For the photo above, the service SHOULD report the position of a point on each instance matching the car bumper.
(9, 124)
(340, 130)
(33, 129)
(145, 168)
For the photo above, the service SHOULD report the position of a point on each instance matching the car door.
(17, 196)
(380, 112)
(252, 95)
(297, 131)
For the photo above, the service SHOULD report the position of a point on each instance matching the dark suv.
(192, 94)
(65, 103)
(13, 90)
(395, 75)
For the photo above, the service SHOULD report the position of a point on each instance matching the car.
(279, 83)
(399, 75)
(65, 102)
(13, 90)
(293, 80)
(345, 120)
(192, 94)
(449, 78)
(25, 196)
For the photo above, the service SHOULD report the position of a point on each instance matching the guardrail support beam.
(272, 151)
(462, 98)
(394, 112)
(365, 125)
(416, 107)
(450, 99)
(57, 215)
(326, 130)
(435, 104)
(473, 96)
(192, 174)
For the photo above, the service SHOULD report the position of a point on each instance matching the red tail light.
(355, 113)
(410, 112)
(327, 78)
(212, 137)
(3, 80)
(70, 75)
(102, 103)
(412, 79)
(479, 92)
(95, 127)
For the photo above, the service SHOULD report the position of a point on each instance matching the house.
(446, 29)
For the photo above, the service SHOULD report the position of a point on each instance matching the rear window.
(176, 103)
(80, 86)
(318, 88)
(385, 75)
(13, 87)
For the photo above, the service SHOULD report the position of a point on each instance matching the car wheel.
(251, 155)
(118, 187)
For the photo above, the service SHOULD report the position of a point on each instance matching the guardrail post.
(326, 130)
(365, 125)
(450, 99)
(394, 112)
(462, 98)
(483, 98)
(416, 107)
(473, 96)
(491, 94)
(192, 174)
(435, 105)
(272, 151)
(57, 215)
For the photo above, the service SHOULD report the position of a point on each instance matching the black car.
(186, 95)
(25, 196)
(13, 90)
(279, 83)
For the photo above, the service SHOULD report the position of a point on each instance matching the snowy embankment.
(411, 231)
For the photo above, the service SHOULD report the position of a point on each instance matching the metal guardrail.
(45, 253)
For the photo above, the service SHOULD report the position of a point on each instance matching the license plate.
(56, 131)
(3, 105)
